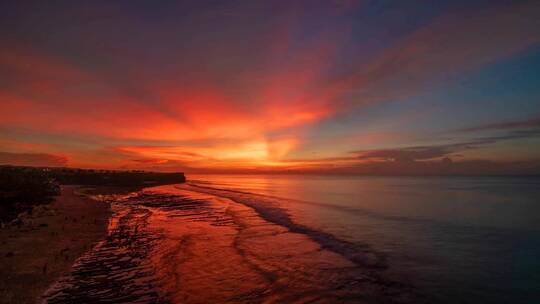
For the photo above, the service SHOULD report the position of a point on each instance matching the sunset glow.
(229, 88)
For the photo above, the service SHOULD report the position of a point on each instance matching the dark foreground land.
(22, 188)
(46, 242)
(46, 222)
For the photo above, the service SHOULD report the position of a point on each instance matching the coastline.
(45, 246)
(171, 244)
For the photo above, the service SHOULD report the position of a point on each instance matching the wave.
(439, 225)
(268, 208)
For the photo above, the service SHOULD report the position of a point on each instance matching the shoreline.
(44, 247)
(195, 240)
(168, 244)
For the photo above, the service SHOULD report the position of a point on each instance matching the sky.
(341, 87)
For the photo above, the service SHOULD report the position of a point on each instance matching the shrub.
(21, 188)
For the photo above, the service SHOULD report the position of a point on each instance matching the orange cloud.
(249, 153)
(32, 159)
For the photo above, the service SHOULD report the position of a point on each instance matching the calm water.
(455, 239)
(315, 239)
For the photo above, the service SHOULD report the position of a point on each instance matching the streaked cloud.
(532, 123)
(32, 159)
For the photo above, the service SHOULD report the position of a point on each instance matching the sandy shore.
(36, 253)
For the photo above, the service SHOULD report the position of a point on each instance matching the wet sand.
(171, 245)
(36, 253)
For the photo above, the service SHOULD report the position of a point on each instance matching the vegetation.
(23, 187)
(70, 176)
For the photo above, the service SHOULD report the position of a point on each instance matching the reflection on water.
(246, 239)
(117, 269)
(173, 244)
(457, 239)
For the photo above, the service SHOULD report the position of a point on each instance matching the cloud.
(248, 154)
(32, 159)
(419, 153)
(445, 166)
(150, 161)
(532, 123)
(216, 96)
(406, 154)
(437, 52)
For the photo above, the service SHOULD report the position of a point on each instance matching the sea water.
(455, 239)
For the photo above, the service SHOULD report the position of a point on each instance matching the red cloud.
(32, 159)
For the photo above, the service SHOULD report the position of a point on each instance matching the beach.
(170, 244)
(46, 244)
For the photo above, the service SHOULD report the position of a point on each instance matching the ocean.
(316, 239)
(455, 239)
